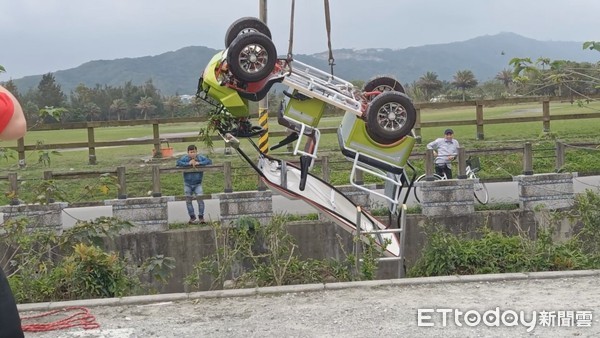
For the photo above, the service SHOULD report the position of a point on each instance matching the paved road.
(499, 192)
(543, 304)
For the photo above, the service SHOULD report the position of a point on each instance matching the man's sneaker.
(201, 220)
(193, 220)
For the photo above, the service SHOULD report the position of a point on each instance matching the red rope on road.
(83, 318)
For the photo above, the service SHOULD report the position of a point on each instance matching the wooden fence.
(156, 140)
(226, 168)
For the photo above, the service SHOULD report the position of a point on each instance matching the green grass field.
(135, 158)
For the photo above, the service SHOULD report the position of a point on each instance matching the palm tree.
(429, 83)
(118, 106)
(505, 76)
(145, 106)
(92, 110)
(463, 80)
(543, 62)
(172, 104)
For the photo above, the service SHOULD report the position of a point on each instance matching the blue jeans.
(188, 190)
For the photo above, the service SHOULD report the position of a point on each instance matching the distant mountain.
(178, 72)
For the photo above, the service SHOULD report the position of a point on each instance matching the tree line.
(543, 77)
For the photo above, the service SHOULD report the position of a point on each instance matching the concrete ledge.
(290, 288)
(562, 274)
(495, 277)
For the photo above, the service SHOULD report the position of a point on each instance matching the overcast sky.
(41, 36)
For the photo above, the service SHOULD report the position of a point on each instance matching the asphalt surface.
(542, 304)
(500, 192)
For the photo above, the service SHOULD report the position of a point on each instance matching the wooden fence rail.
(559, 151)
(479, 121)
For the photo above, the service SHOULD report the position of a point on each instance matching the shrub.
(493, 252)
(45, 266)
(252, 254)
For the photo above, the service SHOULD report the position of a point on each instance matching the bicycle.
(479, 189)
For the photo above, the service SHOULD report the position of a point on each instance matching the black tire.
(245, 25)
(383, 84)
(251, 57)
(390, 116)
(417, 191)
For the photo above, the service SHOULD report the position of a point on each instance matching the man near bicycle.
(445, 150)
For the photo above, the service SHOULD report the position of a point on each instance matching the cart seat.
(353, 139)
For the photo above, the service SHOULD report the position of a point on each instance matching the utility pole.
(263, 105)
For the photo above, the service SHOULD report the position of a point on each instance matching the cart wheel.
(251, 57)
(245, 25)
(383, 84)
(390, 116)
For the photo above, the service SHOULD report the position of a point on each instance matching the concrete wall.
(37, 215)
(447, 197)
(316, 239)
(551, 191)
(449, 203)
(146, 214)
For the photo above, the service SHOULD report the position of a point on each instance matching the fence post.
(359, 178)
(479, 118)
(527, 159)
(546, 115)
(462, 163)
(48, 190)
(122, 192)
(358, 240)
(156, 181)
(417, 127)
(429, 159)
(325, 168)
(13, 182)
(227, 177)
(560, 156)
(91, 146)
(21, 152)
(156, 138)
(261, 185)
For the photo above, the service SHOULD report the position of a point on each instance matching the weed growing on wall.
(250, 254)
(489, 251)
(45, 265)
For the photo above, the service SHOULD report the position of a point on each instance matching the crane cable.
(289, 54)
(327, 26)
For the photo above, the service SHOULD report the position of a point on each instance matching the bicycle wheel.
(416, 191)
(479, 190)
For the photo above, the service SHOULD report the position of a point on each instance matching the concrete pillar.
(550, 191)
(38, 215)
(358, 196)
(147, 214)
(255, 204)
(447, 197)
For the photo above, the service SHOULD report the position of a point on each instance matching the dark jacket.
(193, 178)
